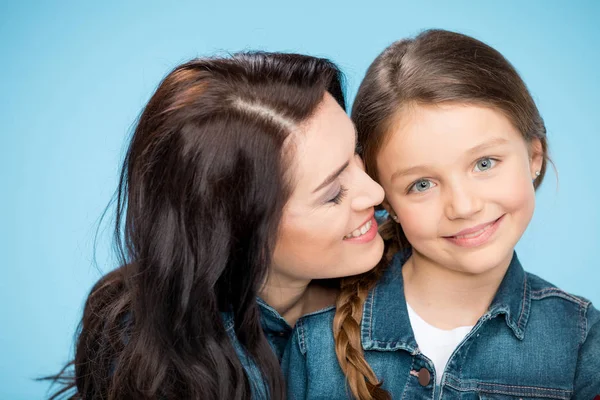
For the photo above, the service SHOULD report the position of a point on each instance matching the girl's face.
(459, 178)
(328, 229)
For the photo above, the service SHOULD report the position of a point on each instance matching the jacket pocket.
(494, 391)
(525, 393)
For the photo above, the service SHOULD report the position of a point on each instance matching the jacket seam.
(583, 324)
(498, 388)
(525, 290)
(368, 316)
(556, 292)
(301, 339)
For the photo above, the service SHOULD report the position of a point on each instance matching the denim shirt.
(534, 342)
(277, 331)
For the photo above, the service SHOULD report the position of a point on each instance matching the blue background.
(75, 75)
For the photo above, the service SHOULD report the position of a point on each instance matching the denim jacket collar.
(270, 319)
(386, 326)
(513, 298)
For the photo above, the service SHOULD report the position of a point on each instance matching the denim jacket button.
(424, 377)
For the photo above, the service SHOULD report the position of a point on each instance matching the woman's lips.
(367, 236)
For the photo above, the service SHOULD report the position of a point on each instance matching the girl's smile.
(477, 235)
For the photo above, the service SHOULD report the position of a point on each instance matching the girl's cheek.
(513, 190)
(419, 220)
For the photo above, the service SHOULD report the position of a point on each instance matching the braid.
(346, 331)
(346, 323)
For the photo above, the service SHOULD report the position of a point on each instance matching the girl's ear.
(387, 206)
(536, 157)
(389, 210)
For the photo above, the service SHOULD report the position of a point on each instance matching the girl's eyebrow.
(485, 145)
(407, 171)
(475, 149)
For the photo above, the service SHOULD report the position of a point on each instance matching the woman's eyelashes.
(337, 199)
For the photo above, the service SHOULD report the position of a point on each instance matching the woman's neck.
(295, 298)
(446, 298)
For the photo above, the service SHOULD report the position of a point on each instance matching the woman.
(241, 180)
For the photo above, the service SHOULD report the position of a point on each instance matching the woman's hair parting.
(436, 67)
(201, 193)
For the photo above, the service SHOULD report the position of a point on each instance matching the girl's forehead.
(454, 125)
(445, 134)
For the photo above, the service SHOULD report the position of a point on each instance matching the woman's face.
(328, 229)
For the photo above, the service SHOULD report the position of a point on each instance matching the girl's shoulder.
(541, 289)
(552, 302)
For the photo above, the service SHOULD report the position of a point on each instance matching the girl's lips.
(475, 236)
(368, 236)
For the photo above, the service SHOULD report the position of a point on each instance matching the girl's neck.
(446, 298)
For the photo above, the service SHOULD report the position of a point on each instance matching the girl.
(450, 131)
(241, 180)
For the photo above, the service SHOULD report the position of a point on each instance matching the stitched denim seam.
(583, 324)
(466, 347)
(525, 291)
(550, 395)
(368, 316)
(412, 365)
(301, 341)
(555, 292)
(489, 388)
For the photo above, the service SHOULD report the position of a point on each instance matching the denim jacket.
(277, 331)
(534, 342)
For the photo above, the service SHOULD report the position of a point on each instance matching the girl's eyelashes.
(339, 196)
(420, 186)
(423, 185)
(485, 163)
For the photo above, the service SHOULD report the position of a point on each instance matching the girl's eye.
(421, 185)
(339, 196)
(484, 164)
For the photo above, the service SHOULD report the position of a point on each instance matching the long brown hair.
(435, 67)
(200, 198)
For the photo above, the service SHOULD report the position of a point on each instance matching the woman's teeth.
(360, 231)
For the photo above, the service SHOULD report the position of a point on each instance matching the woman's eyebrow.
(332, 177)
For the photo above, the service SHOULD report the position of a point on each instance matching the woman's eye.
(484, 164)
(422, 186)
(339, 196)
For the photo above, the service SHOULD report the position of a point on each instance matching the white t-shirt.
(436, 344)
